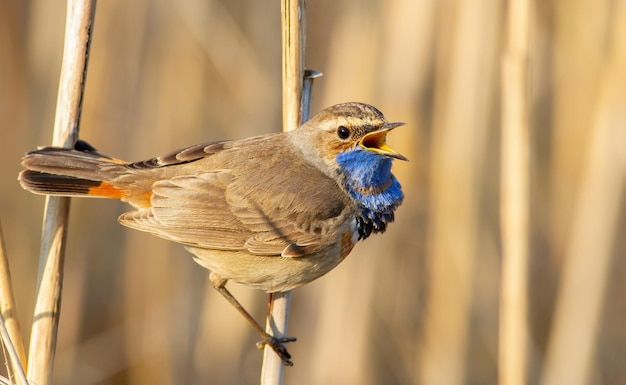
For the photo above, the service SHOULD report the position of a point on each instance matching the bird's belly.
(275, 273)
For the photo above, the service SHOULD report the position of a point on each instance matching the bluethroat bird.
(273, 212)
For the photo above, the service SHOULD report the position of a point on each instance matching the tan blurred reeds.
(417, 305)
(595, 229)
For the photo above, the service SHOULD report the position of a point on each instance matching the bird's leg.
(277, 344)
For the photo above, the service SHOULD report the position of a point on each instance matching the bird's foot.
(277, 345)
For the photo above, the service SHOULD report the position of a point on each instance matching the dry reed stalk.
(10, 329)
(293, 26)
(571, 357)
(78, 28)
(514, 185)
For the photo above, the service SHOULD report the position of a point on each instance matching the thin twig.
(515, 197)
(17, 368)
(8, 311)
(78, 28)
(307, 91)
(293, 41)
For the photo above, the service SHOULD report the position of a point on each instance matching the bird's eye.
(343, 132)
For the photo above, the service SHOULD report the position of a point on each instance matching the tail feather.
(70, 172)
(50, 184)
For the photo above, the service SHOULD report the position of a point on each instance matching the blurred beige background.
(417, 305)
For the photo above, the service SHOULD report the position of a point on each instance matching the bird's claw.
(277, 345)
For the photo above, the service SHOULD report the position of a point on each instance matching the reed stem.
(78, 29)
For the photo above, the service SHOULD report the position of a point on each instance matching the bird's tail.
(81, 171)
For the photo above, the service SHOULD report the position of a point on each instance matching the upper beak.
(376, 141)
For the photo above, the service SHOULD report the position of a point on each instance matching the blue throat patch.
(369, 181)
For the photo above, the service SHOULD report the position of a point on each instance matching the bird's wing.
(299, 212)
(191, 210)
(271, 205)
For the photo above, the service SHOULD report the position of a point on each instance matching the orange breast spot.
(346, 244)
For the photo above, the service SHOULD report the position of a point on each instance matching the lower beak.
(377, 141)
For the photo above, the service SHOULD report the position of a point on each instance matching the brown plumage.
(273, 212)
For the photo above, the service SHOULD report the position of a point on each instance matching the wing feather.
(231, 208)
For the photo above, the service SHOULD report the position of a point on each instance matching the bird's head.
(342, 129)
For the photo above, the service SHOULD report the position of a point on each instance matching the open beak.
(377, 141)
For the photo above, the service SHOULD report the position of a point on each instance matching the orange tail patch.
(49, 184)
(106, 190)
